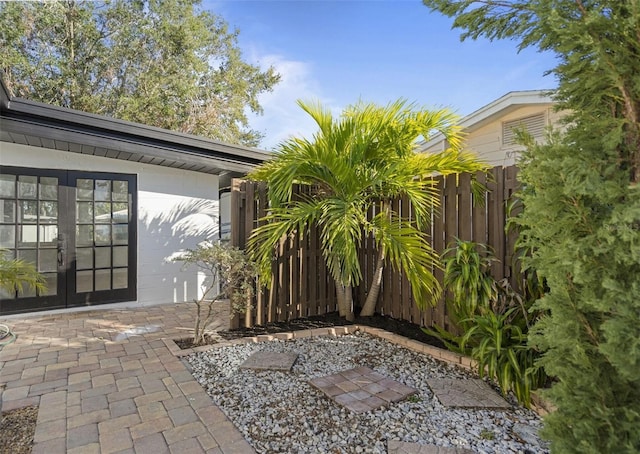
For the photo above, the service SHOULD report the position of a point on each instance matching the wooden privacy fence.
(302, 286)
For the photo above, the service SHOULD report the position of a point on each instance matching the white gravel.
(282, 412)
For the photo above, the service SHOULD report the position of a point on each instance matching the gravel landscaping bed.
(282, 412)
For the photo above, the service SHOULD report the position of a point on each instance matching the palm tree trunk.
(348, 303)
(340, 296)
(345, 300)
(369, 306)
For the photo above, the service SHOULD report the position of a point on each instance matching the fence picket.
(302, 286)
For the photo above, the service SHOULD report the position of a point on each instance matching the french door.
(77, 228)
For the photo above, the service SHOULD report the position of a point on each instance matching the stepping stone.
(402, 447)
(466, 393)
(361, 389)
(526, 433)
(264, 360)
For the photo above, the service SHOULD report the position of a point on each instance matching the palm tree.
(355, 164)
(15, 274)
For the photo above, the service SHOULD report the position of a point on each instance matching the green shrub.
(231, 276)
(582, 222)
(494, 319)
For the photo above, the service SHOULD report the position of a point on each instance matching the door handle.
(62, 249)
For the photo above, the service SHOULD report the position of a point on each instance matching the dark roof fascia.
(45, 115)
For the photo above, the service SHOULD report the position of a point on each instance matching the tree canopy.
(164, 63)
(581, 216)
(597, 46)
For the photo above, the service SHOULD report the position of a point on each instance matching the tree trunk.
(340, 297)
(348, 303)
(345, 301)
(369, 306)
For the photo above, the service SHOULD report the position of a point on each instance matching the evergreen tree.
(163, 63)
(582, 211)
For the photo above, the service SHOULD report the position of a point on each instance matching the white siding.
(177, 209)
(485, 139)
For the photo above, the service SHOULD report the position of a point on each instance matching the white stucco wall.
(177, 209)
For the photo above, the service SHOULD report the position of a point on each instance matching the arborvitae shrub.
(582, 221)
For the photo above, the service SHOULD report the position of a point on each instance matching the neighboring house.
(101, 205)
(490, 129)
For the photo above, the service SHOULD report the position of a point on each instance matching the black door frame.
(66, 295)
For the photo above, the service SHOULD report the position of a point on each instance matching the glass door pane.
(30, 231)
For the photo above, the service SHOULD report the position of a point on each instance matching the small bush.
(232, 278)
(494, 319)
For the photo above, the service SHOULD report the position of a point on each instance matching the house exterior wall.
(177, 209)
(486, 140)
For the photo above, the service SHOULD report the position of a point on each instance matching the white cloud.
(282, 117)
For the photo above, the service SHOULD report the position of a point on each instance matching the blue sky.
(341, 51)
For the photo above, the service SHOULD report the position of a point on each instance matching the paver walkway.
(104, 382)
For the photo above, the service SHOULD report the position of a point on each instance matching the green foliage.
(352, 166)
(161, 63)
(596, 44)
(230, 276)
(15, 274)
(494, 320)
(581, 218)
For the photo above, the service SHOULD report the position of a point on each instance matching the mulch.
(401, 327)
(17, 428)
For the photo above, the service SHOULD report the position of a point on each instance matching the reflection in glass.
(28, 211)
(28, 255)
(120, 191)
(48, 235)
(26, 292)
(84, 212)
(6, 294)
(103, 234)
(121, 234)
(120, 278)
(48, 212)
(27, 187)
(7, 236)
(84, 258)
(103, 212)
(7, 211)
(84, 235)
(120, 212)
(28, 236)
(103, 257)
(120, 256)
(103, 280)
(84, 281)
(84, 189)
(48, 260)
(103, 190)
(48, 188)
(51, 284)
(7, 185)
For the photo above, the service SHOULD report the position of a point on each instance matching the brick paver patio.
(105, 382)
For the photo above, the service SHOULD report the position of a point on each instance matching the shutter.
(534, 125)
